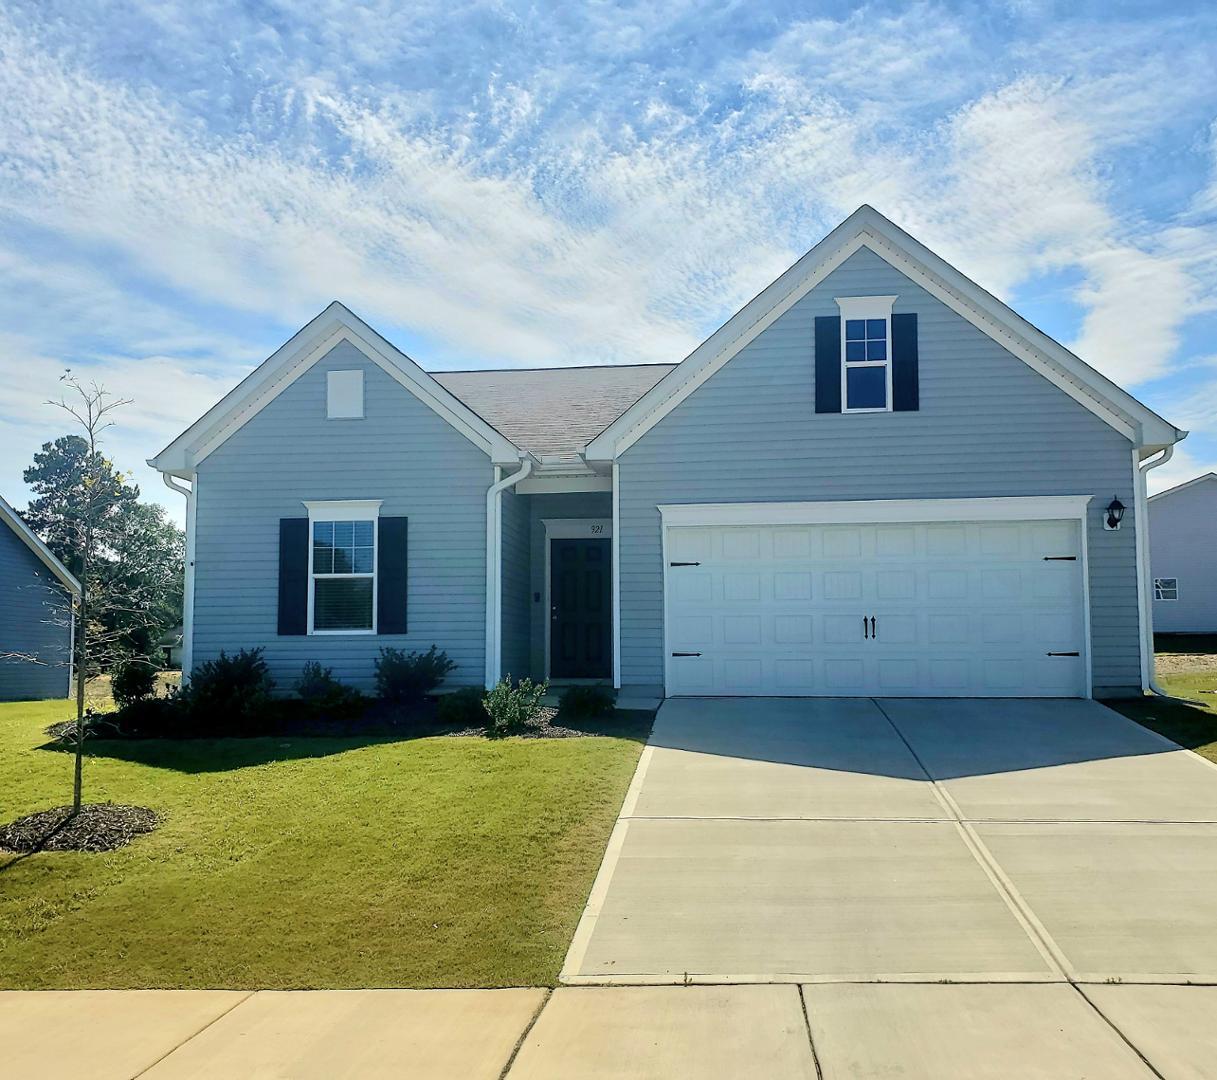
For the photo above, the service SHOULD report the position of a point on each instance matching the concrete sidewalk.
(775, 1032)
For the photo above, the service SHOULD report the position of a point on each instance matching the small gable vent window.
(344, 395)
(1166, 588)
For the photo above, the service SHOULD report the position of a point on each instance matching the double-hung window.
(1166, 588)
(866, 353)
(342, 567)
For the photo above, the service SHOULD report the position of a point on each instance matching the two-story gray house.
(1182, 530)
(874, 479)
(37, 596)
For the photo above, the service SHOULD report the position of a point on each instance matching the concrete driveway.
(853, 840)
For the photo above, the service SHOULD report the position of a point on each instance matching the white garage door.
(991, 609)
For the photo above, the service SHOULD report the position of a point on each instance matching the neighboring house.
(36, 614)
(1182, 534)
(170, 646)
(875, 479)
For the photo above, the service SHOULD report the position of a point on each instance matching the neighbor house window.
(866, 353)
(342, 567)
(1166, 588)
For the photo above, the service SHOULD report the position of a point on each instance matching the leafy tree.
(139, 553)
(57, 515)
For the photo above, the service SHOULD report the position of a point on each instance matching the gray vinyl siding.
(517, 606)
(988, 426)
(34, 621)
(402, 453)
(1182, 531)
(575, 504)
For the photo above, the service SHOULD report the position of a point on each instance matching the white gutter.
(1145, 570)
(188, 583)
(494, 566)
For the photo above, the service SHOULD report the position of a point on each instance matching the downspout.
(1148, 677)
(494, 565)
(188, 583)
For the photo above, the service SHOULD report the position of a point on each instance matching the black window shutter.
(293, 576)
(828, 364)
(391, 560)
(906, 397)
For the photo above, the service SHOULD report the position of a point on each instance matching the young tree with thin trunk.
(91, 407)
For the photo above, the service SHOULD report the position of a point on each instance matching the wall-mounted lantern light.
(1115, 514)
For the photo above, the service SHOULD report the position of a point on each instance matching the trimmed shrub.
(131, 681)
(405, 679)
(151, 718)
(229, 693)
(586, 702)
(324, 695)
(463, 708)
(513, 708)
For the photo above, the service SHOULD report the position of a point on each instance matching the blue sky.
(182, 185)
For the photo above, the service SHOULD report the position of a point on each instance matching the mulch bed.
(541, 728)
(98, 827)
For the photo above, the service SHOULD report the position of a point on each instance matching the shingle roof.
(552, 411)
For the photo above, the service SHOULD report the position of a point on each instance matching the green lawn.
(1191, 722)
(310, 862)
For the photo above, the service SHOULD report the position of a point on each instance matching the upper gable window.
(344, 395)
(866, 352)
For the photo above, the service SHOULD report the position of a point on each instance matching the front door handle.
(873, 630)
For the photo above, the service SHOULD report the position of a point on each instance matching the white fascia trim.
(334, 325)
(544, 485)
(866, 227)
(879, 511)
(44, 553)
(1186, 484)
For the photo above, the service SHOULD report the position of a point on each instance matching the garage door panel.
(958, 609)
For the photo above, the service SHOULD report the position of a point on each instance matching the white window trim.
(1159, 588)
(345, 510)
(574, 529)
(865, 307)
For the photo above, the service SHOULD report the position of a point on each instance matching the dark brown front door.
(580, 591)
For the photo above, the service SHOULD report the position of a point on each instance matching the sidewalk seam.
(189, 1038)
(1114, 1027)
(515, 1050)
(811, 1042)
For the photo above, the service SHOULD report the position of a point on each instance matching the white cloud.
(583, 186)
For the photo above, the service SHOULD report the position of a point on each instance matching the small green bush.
(407, 679)
(586, 702)
(513, 708)
(131, 681)
(324, 695)
(229, 693)
(463, 708)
